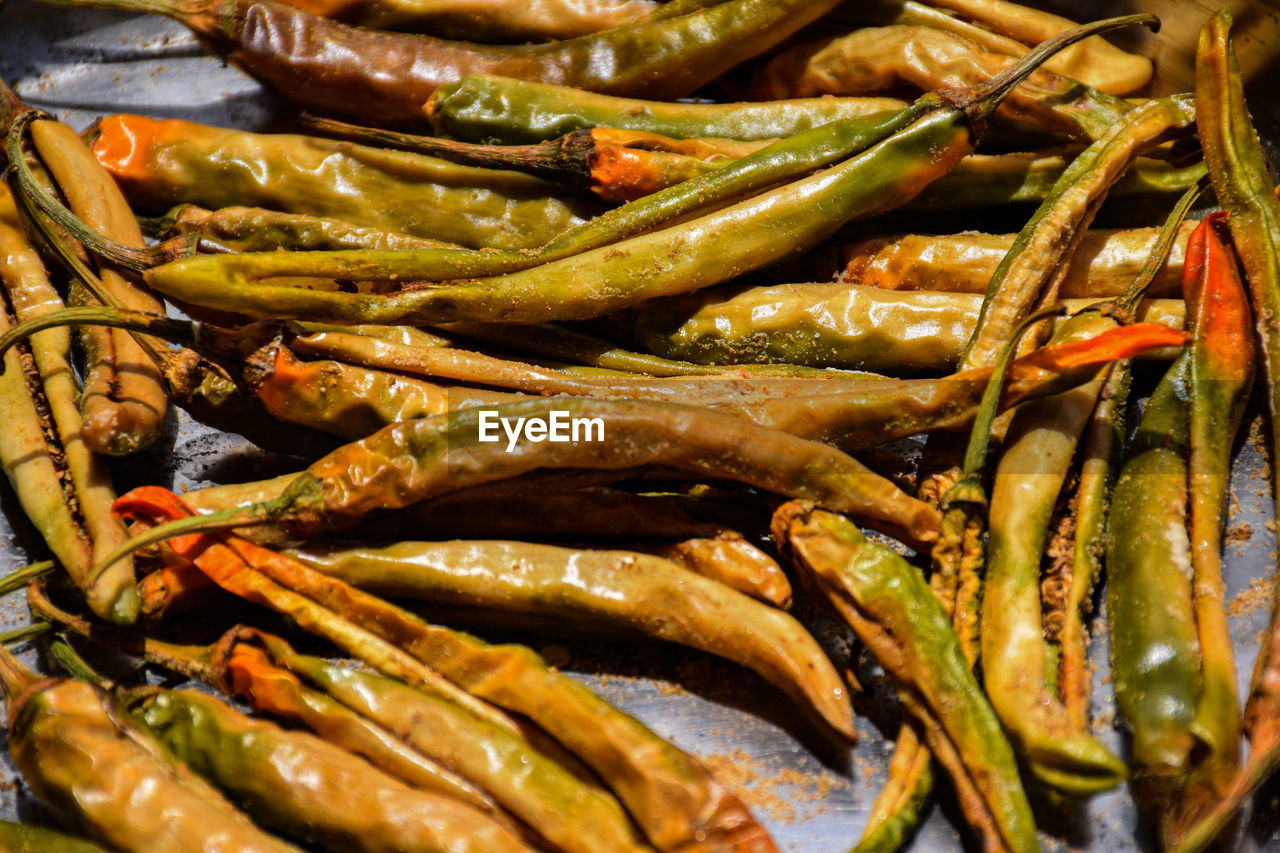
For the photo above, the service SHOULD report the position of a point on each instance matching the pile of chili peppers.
(556, 345)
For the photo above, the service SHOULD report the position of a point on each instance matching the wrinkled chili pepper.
(639, 591)
(1018, 628)
(291, 782)
(504, 111)
(625, 165)
(255, 229)
(60, 485)
(956, 581)
(1001, 27)
(888, 604)
(823, 324)
(411, 735)
(1031, 272)
(161, 163)
(325, 66)
(123, 402)
(1154, 649)
(1221, 377)
(677, 259)
(109, 779)
(673, 799)
(1242, 182)
(878, 58)
(1104, 264)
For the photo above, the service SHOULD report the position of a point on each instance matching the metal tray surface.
(814, 796)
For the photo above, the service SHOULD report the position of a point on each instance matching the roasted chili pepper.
(637, 591)
(676, 259)
(888, 604)
(1001, 27)
(1017, 627)
(502, 110)
(292, 781)
(1221, 377)
(61, 486)
(956, 581)
(1103, 264)
(123, 402)
(1242, 182)
(1031, 272)
(849, 411)
(673, 799)
(625, 165)
(823, 324)
(108, 778)
(511, 22)
(325, 66)
(411, 735)
(1154, 646)
(162, 163)
(255, 229)
(879, 58)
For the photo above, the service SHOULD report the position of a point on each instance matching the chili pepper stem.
(76, 666)
(14, 677)
(178, 331)
(19, 578)
(26, 632)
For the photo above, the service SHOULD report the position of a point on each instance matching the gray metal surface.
(814, 795)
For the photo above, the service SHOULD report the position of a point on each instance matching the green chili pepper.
(109, 779)
(255, 229)
(60, 485)
(1031, 272)
(879, 58)
(1016, 623)
(956, 581)
(293, 780)
(891, 608)
(686, 257)
(823, 324)
(1104, 264)
(505, 111)
(638, 591)
(1242, 182)
(1154, 648)
(673, 799)
(162, 163)
(324, 65)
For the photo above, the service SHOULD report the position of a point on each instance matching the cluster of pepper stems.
(382, 286)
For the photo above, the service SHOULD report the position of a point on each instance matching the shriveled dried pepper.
(325, 64)
(108, 778)
(502, 110)
(673, 799)
(638, 591)
(61, 486)
(256, 229)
